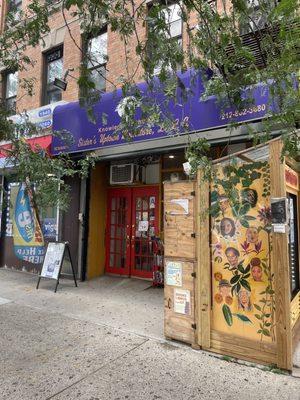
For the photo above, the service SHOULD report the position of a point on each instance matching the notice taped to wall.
(182, 301)
(143, 226)
(181, 206)
(174, 273)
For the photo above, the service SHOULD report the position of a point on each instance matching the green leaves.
(245, 284)
(243, 318)
(235, 279)
(227, 314)
(239, 278)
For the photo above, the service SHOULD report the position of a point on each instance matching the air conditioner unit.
(122, 174)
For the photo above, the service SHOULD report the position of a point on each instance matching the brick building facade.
(149, 162)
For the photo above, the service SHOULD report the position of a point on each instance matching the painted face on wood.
(227, 227)
(224, 288)
(249, 196)
(232, 255)
(244, 302)
(224, 203)
(256, 273)
(252, 235)
(256, 269)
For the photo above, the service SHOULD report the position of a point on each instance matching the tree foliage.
(218, 42)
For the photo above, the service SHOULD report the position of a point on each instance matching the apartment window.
(258, 15)
(172, 15)
(10, 84)
(15, 8)
(53, 69)
(96, 60)
(174, 22)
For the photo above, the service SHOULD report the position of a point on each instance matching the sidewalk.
(52, 346)
(127, 304)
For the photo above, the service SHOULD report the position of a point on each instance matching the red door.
(118, 228)
(145, 214)
(132, 225)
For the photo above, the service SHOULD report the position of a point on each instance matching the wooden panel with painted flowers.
(242, 279)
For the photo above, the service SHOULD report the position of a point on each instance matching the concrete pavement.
(65, 346)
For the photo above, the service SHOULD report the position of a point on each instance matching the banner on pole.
(27, 234)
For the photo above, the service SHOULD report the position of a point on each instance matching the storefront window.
(171, 167)
(47, 216)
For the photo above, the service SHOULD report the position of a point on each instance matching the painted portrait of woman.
(227, 227)
(232, 255)
(244, 301)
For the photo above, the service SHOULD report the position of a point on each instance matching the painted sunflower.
(218, 298)
(218, 276)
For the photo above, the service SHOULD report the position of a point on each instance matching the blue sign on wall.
(49, 227)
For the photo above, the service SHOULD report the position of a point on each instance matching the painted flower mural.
(243, 296)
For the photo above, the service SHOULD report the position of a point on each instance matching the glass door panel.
(118, 231)
(145, 212)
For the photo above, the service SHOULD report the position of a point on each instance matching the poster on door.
(182, 301)
(174, 273)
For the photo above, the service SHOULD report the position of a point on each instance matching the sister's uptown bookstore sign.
(194, 113)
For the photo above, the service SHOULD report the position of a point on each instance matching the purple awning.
(198, 114)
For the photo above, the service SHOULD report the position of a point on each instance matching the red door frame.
(118, 193)
(131, 194)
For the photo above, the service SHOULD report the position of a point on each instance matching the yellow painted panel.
(295, 309)
(97, 221)
(242, 280)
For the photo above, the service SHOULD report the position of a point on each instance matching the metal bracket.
(194, 326)
(193, 274)
(193, 235)
(193, 193)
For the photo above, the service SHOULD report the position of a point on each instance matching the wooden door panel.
(179, 222)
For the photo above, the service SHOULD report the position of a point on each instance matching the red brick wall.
(116, 66)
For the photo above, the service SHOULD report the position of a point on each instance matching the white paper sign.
(279, 228)
(53, 260)
(152, 202)
(174, 273)
(183, 204)
(143, 226)
(182, 301)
